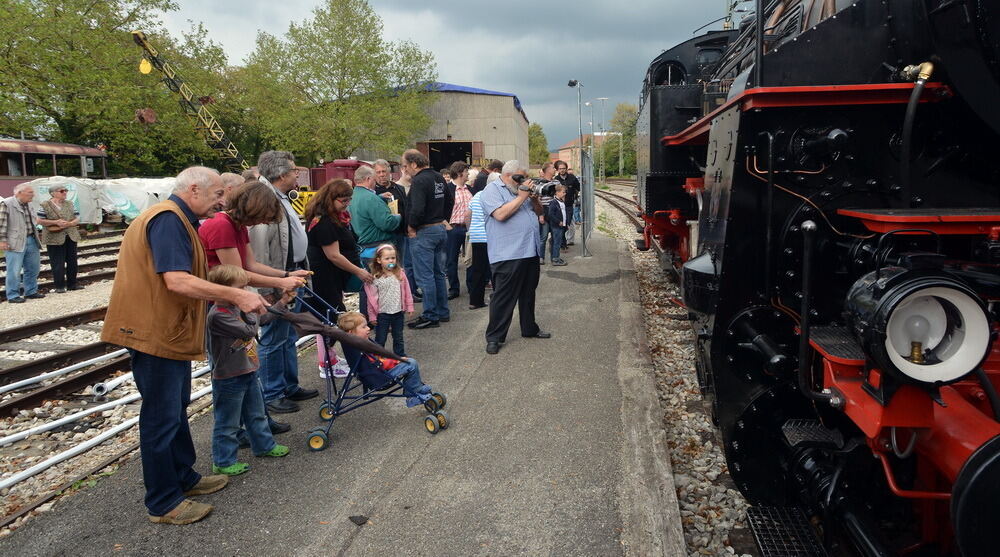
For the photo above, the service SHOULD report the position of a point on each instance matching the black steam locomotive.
(824, 180)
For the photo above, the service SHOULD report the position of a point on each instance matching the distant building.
(472, 125)
(570, 152)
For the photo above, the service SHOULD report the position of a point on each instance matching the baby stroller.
(352, 393)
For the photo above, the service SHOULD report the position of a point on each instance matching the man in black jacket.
(573, 188)
(479, 184)
(430, 205)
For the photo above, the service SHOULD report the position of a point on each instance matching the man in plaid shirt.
(459, 172)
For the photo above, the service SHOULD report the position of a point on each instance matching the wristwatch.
(286, 274)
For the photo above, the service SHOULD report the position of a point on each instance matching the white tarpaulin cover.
(125, 196)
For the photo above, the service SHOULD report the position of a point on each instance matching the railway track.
(15, 338)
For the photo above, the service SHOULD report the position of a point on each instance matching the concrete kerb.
(650, 511)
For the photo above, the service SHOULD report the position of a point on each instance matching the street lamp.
(579, 112)
(587, 195)
(604, 134)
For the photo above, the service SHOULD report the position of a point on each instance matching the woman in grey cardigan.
(60, 234)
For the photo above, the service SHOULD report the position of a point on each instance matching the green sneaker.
(234, 469)
(277, 450)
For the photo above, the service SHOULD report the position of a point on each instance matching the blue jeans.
(456, 239)
(165, 443)
(409, 375)
(427, 251)
(234, 398)
(558, 233)
(28, 261)
(543, 233)
(393, 321)
(279, 360)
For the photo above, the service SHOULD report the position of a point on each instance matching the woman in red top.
(227, 240)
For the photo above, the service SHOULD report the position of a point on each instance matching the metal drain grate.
(783, 532)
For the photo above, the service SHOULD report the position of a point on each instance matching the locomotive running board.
(783, 532)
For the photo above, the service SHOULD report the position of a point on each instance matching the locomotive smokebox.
(966, 37)
(923, 327)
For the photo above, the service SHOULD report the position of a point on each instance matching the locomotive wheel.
(755, 446)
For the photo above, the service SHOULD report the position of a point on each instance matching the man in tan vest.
(157, 311)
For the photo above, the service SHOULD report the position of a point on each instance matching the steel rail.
(39, 327)
(55, 361)
(67, 386)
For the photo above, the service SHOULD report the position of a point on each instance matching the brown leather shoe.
(186, 512)
(208, 484)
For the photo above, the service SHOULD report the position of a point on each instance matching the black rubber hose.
(905, 171)
(991, 392)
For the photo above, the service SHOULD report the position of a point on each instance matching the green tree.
(332, 85)
(538, 145)
(623, 123)
(68, 73)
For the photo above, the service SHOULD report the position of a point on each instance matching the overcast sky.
(526, 47)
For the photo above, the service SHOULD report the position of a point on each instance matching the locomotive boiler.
(827, 188)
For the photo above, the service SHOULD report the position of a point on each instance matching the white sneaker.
(341, 369)
(322, 372)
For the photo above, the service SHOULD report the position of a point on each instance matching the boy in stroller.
(376, 371)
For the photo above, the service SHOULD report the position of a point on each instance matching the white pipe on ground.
(82, 447)
(68, 369)
(91, 443)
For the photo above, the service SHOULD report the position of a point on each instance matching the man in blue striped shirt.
(514, 249)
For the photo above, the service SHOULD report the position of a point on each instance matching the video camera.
(547, 189)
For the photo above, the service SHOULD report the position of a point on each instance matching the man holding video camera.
(512, 209)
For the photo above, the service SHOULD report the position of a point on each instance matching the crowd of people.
(24, 231)
(394, 243)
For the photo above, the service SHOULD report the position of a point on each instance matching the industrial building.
(474, 125)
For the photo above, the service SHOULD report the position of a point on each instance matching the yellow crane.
(199, 115)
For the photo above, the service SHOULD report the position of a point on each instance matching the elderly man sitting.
(512, 242)
(19, 240)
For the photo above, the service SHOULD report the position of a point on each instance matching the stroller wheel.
(431, 405)
(442, 419)
(440, 398)
(431, 423)
(317, 440)
(326, 412)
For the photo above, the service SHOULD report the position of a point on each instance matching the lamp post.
(586, 197)
(579, 113)
(604, 134)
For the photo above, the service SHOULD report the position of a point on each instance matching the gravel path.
(53, 305)
(712, 510)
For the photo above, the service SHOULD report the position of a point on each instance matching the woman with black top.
(333, 246)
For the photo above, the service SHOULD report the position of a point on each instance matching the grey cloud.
(605, 45)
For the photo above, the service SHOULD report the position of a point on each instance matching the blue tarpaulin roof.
(450, 87)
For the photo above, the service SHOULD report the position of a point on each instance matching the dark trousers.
(165, 443)
(453, 247)
(514, 283)
(558, 236)
(391, 322)
(63, 260)
(479, 274)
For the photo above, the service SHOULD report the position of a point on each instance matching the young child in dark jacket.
(555, 215)
(235, 391)
(377, 371)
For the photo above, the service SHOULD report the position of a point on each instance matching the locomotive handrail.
(799, 96)
(881, 256)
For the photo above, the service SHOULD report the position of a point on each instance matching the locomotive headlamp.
(924, 328)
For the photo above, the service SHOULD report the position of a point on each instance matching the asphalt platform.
(555, 448)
